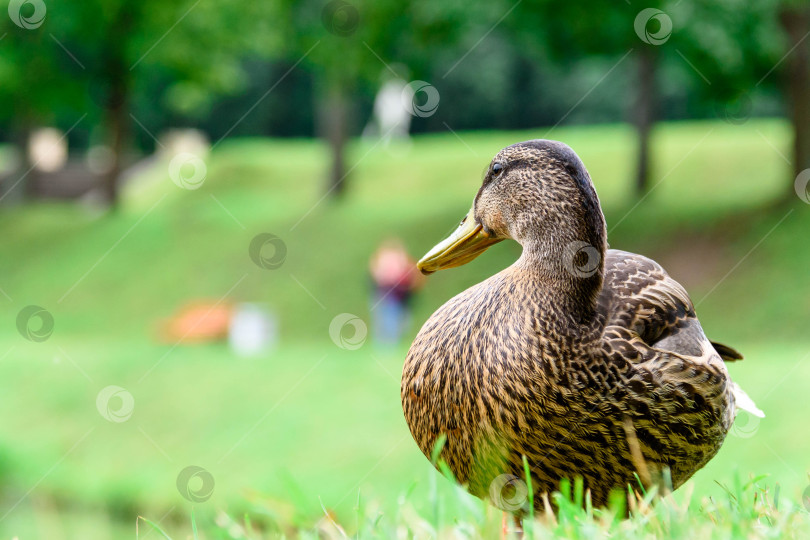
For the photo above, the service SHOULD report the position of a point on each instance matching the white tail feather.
(744, 402)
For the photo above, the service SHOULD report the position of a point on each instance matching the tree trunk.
(31, 184)
(117, 131)
(117, 75)
(643, 114)
(334, 120)
(796, 22)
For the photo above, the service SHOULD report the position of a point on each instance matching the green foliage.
(83, 50)
(191, 62)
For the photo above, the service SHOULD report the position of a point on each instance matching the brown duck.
(588, 361)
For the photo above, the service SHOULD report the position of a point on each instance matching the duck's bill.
(466, 243)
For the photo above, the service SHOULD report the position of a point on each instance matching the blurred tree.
(795, 19)
(724, 48)
(743, 49)
(324, 36)
(348, 44)
(569, 32)
(38, 87)
(116, 46)
(199, 44)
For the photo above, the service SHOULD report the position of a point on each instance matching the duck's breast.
(470, 375)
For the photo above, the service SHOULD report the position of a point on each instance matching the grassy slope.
(328, 431)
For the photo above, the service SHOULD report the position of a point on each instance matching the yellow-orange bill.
(466, 243)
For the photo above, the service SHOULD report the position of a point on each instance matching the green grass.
(748, 510)
(309, 425)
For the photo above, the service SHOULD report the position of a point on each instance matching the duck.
(577, 362)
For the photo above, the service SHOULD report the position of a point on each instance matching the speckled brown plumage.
(570, 356)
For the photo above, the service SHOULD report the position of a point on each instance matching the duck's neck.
(566, 275)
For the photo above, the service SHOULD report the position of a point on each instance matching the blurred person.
(395, 278)
(390, 120)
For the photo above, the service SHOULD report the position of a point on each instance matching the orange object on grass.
(199, 322)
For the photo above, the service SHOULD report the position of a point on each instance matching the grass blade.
(151, 524)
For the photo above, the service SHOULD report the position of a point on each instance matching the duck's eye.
(497, 168)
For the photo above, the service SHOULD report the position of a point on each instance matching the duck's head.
(539, 194)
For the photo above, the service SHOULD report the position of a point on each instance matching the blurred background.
(210, 212)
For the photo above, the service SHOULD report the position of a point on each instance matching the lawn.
(308, 425)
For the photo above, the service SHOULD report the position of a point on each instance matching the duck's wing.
(649, 311)
(639, 295)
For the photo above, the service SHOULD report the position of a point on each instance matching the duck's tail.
(744, 402)
(728, 354)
